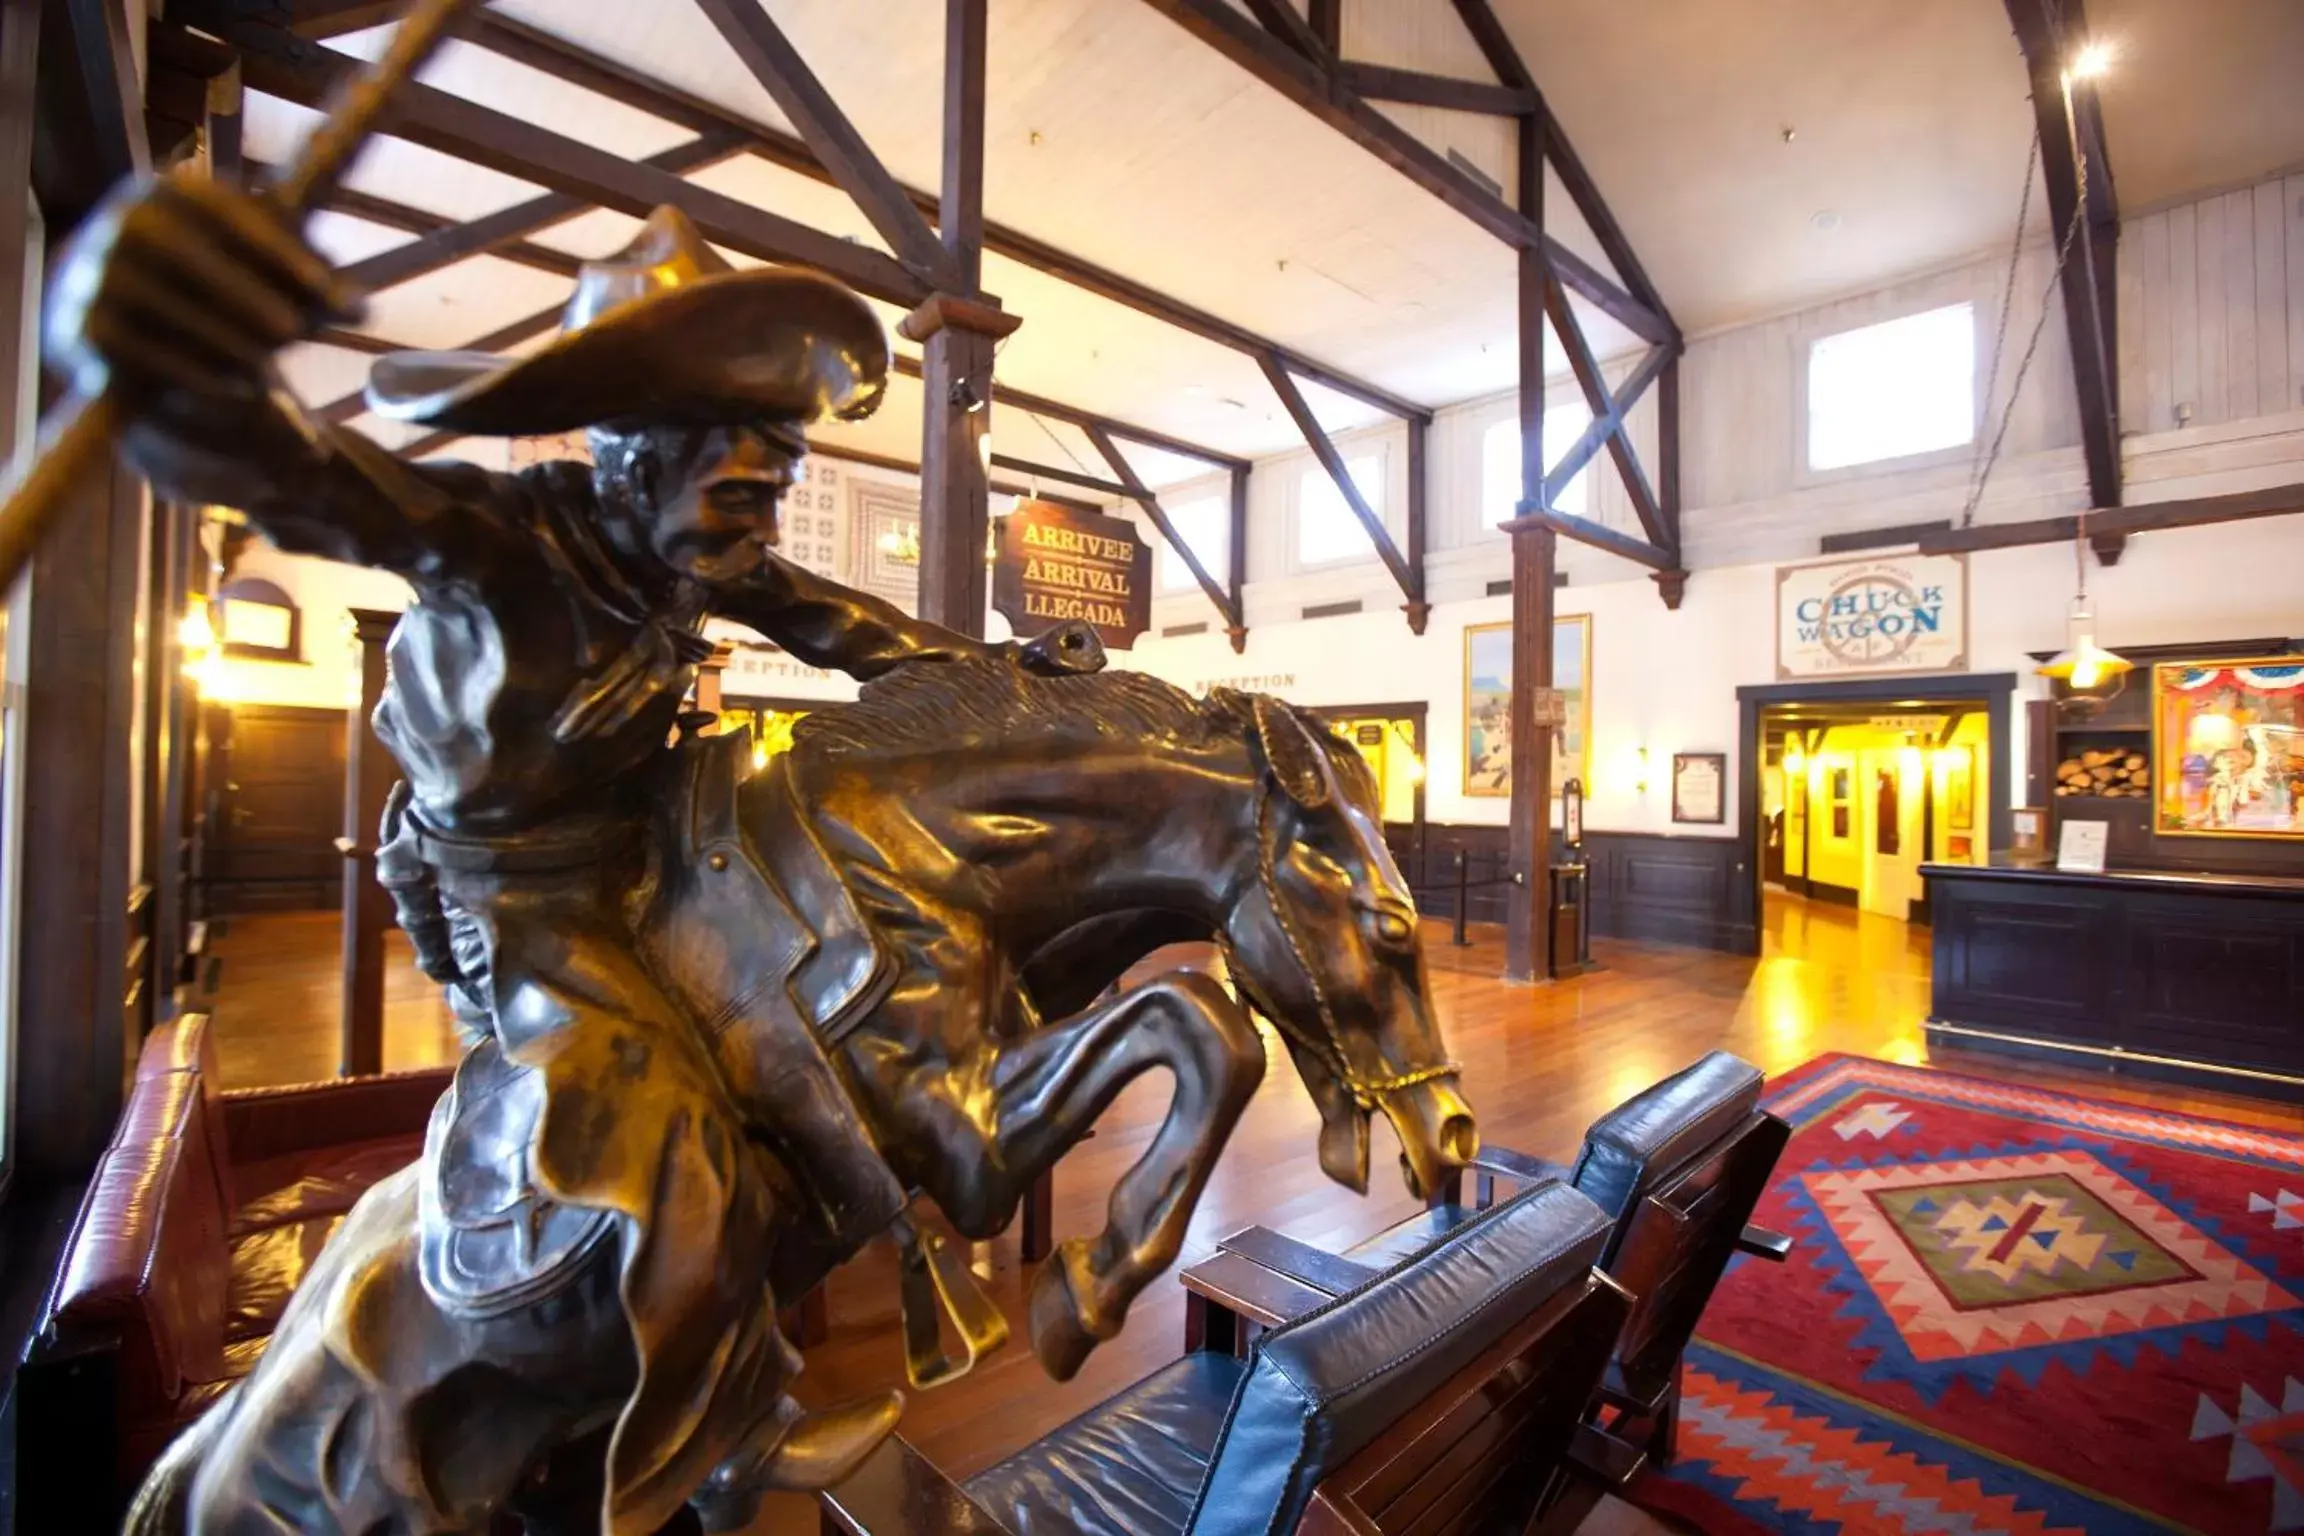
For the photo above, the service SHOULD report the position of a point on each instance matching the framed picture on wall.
(1960, 789)
(1698, 786)
(1488, 705)
(2228, 748)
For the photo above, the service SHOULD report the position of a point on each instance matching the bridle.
(1365, 1093)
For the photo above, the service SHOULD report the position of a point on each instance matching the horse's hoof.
(1063, 1332)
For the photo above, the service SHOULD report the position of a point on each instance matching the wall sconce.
(1795, 760)
(1640, 770)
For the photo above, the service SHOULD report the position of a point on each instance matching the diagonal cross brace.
(786, 77)
(1324, 449)
(1142, 495)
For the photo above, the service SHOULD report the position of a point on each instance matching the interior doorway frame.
(1417, 711)
(1996, 690)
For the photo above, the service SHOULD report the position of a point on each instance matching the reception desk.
(2192, 977)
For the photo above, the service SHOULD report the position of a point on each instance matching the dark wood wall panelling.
(1653, 886)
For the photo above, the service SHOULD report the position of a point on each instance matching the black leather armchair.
(1446, 1392)
(1679, 1169)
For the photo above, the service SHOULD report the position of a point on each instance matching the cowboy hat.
(664, 331)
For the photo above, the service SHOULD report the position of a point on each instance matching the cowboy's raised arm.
(177, 294)
(828, 625)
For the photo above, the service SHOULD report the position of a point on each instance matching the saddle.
(768, 955)
(756, 934)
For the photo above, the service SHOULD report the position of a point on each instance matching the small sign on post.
(1551, 708)
(1055, 565)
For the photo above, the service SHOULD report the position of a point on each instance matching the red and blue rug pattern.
(2007, 1310)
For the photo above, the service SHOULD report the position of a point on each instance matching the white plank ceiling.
(1113, 135)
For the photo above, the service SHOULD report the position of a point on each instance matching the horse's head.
(1323, 940)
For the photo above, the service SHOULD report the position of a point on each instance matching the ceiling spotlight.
(1824, 220)
(2092, 60)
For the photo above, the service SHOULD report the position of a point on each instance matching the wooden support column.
(369, 773)
(956, 333)
(1535, 561)
(956, 336)
(708, 694)
(1236, 574)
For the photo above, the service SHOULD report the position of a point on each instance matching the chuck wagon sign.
(1055, 564)
(1861, 618)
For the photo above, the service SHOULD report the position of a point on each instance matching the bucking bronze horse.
(978, 855)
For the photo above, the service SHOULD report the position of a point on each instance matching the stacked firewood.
(2113, 774)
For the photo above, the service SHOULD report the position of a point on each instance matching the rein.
(1365, 1093)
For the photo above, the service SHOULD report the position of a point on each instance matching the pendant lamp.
(2083, 664)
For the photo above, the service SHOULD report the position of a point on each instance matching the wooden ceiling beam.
(1234, 36)
(322, 19)
(1327, 18)
(1057, 410)
(1496, 45)
(912, 467)
(280, 64)
(1288, 25)
(1143, 496)
(786, 77)
(345, 407)
(1324, 449)
(2072, 157)
(542, 51)
(1080, 478)
(503, 233)
(1380, 82)
(2123, 522)
(1599, 536)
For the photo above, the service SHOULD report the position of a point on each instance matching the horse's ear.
(1298, 762)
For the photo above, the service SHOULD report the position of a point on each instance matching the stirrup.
(934, 1284)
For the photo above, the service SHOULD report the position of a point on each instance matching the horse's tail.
(163, 1504)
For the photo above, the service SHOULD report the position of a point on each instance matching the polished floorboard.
(1539, 1064)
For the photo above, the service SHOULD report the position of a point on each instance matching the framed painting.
(1699, 781)
(2228, 748)
(1488, 705)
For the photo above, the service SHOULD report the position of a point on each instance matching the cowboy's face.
(715, 492)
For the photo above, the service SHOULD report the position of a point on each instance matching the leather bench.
(1444, 1394)
(203, 1215)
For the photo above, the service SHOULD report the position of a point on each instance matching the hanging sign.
(1864, 618)
(1055, 564)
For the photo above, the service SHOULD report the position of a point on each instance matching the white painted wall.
(1667, 680)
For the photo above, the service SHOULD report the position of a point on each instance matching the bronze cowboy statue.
(723, 1024)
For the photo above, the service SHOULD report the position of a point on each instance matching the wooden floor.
(1540, 1064)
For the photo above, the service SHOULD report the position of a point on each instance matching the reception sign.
(1055, 564)
(1865, 618)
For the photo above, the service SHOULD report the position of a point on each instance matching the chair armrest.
(270, 1122)
(1519, 1166)
(1764, 1243)
(1240, 1285)
(1327, 1272)
(899, 1492)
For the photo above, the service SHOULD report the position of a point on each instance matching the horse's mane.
(952, 705)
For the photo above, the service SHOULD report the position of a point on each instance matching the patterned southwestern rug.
(2007, 1310)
